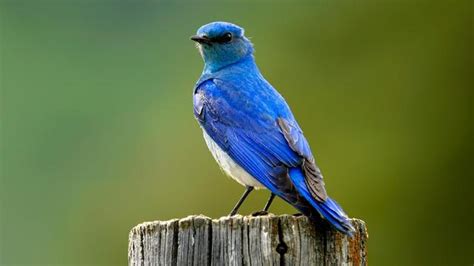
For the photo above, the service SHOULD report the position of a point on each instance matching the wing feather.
(313, 177)
(263, 147)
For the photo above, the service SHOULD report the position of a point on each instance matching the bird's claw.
(259, 213)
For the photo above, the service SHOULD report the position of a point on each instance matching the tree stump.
(245, 240)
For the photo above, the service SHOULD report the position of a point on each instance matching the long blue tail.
(329, 209)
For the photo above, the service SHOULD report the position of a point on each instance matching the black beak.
(201, 39)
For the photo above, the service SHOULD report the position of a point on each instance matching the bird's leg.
(269, 202)
(267, 206)
(241, 200)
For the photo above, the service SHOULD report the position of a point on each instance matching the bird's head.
(221, 44)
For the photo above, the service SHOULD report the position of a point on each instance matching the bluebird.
(251, 131)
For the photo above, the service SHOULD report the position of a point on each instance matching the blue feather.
(329, 209)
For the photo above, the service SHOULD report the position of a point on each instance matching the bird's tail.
(329, 208)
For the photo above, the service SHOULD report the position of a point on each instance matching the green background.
(98, 135)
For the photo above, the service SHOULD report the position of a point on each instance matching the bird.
(251, 131)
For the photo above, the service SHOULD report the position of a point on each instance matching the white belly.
(229, 166)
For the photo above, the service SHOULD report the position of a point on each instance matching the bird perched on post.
(251, 131)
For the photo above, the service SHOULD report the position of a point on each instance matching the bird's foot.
(259, 213)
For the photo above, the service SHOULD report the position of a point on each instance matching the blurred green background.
(98, 135)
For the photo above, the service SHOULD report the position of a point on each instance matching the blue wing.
(257, 130)
(248, 132)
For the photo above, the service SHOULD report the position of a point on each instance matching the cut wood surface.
(245, 240)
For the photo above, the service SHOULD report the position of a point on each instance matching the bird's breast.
(229, 166)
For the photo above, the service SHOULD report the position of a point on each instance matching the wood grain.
(245, 240)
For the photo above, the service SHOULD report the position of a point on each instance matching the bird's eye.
(227, 37)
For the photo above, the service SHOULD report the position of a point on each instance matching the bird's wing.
(295, 138)
(258, 148)
(263, 144)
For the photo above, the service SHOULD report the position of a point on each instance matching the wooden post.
(239, 240)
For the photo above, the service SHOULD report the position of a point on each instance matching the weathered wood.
(245, 240)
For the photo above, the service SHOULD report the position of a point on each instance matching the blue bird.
(251, 131)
